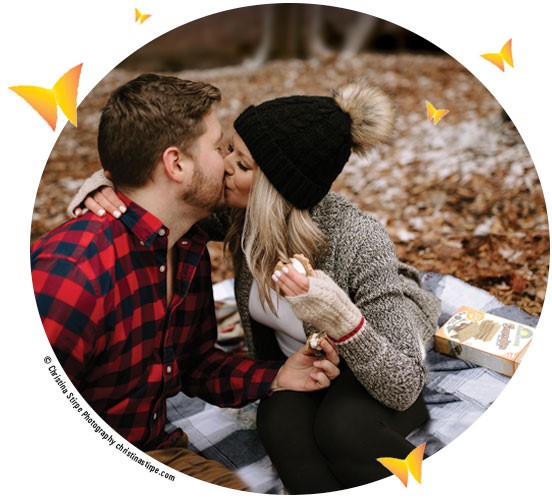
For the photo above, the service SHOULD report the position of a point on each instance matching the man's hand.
(304, 372)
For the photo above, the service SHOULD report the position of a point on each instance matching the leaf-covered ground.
(461, 197)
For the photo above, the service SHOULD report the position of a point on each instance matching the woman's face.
(239, 170)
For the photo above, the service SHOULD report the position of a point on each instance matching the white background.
(45, 447)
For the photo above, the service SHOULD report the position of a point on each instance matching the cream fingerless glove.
(93, 182)
(327, 307)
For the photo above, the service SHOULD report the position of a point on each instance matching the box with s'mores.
(484, 339)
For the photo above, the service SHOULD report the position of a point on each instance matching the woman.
(284, 156)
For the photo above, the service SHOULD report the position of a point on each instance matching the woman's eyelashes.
(242, 166)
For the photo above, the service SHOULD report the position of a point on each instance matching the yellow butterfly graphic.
(401, 467)
(505, 55)
(139, 17)
(45, 101)
(435, 114)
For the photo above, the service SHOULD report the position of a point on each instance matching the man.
(127, 303)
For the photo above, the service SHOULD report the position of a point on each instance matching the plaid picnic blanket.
(457, 393)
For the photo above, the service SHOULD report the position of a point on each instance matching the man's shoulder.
(78, 239)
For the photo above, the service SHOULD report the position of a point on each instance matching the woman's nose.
(228, 168)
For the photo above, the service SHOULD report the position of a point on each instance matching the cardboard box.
(484, 339)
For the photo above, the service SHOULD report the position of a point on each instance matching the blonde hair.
(272, 229)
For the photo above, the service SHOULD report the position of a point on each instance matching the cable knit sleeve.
(387, 353)
(92, 183)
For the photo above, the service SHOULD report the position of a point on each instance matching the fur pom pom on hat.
(301, 143)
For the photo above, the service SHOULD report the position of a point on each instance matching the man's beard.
(204, 192)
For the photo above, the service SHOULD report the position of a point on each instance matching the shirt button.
(169, 369)
(142, 243)
(162, 232)
(184, 242)
(162, 268)
(155, 416)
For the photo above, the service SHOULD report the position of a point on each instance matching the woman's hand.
(318, 300)
(102, 201)
(290, 281)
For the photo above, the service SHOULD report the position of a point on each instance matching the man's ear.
(176, 164)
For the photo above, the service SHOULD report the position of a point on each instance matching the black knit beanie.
(301, 144)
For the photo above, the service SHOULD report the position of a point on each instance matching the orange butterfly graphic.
(45, 101)
(505, 55)
(412, 463)
(435, 114)
(139, 17)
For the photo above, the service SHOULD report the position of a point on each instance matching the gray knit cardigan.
(387, 354)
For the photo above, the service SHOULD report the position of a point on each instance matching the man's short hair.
(144, 117)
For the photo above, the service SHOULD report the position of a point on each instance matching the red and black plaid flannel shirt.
(100, 287)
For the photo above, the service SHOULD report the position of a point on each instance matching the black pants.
(330, 440)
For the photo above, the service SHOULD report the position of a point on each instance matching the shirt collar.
(140, 222)
(147, 227)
